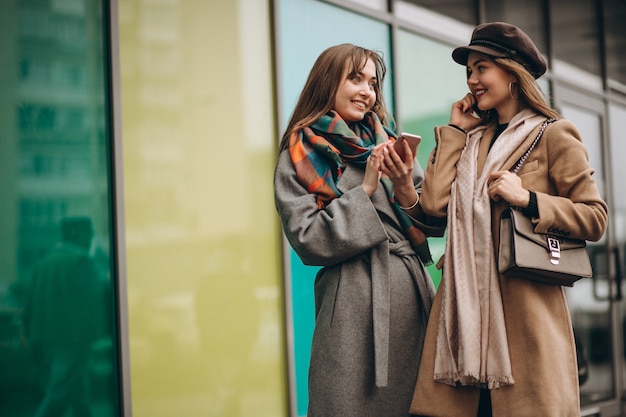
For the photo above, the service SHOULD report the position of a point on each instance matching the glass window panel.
(374, 4)
(429, 81)
(617, 115)
(298, 55)
(587, 300)
(527, 15)
(575, 34)
(465, 11)
(615, 32)
(58, 345)
(589, 125)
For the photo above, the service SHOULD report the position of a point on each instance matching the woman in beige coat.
(500, 346)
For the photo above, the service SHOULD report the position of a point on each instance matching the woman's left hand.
(507, 186)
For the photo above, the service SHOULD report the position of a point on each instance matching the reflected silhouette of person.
(60, 320)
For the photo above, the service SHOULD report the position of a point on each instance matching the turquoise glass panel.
(58, 349)
(307, 28)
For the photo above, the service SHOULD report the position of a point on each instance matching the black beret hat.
(503, 40)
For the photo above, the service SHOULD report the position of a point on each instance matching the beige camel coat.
(539, 329)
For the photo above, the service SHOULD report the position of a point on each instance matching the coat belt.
(381, 303)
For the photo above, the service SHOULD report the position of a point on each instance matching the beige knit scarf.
(472, 347)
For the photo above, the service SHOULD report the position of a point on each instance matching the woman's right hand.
(462, 114)
(372, 169)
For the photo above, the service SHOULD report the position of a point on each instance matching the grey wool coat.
(537, 319)
(372, 295)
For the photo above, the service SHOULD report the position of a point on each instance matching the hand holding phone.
(411, 139)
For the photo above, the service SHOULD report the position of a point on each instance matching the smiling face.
(489, 83)
(356, 93)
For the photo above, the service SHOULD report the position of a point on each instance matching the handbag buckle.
(555, 250)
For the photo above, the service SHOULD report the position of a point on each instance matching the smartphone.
(413, 141)
(478, 111)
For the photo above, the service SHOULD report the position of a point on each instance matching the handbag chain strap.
(521, 161)
(553, 243)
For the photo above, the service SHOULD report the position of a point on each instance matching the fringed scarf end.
(469, 379)
(499, 381)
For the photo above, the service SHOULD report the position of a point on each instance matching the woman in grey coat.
(346, 200)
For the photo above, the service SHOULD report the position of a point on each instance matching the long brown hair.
(528, 91)
(318, 95)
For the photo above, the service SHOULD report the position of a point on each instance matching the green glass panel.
(57, 311)
(429, 82)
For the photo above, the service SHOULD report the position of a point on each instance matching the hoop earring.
(511, 91)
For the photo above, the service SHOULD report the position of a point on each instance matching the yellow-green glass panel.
(203, 242)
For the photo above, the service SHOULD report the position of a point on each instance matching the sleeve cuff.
(532, 210)
(458, 128)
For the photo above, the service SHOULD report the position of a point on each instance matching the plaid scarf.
(320, 152)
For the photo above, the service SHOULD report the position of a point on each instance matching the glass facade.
(58, 315)
(215, 326)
